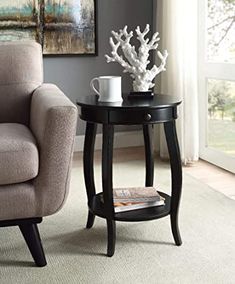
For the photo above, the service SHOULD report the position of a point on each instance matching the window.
(217, 82)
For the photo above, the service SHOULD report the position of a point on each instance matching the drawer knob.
(147, 116)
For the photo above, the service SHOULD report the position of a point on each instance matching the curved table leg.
(107, 183)
(90, 220)
(88, 162)
(149, 157)
(176, 177)
(111, 227)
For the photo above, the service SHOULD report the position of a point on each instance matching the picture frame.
(62, 27)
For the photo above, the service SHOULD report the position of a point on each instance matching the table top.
(157, 102)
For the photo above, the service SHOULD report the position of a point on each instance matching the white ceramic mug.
(110, 88)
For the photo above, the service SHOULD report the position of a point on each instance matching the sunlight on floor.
(215, 177)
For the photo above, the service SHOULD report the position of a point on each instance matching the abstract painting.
(61, 26)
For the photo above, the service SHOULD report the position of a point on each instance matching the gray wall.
(73, 74)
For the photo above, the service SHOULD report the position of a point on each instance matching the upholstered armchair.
(37, 130)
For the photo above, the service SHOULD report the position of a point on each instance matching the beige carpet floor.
(145, 252)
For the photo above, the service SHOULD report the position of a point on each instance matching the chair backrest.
(21, 72)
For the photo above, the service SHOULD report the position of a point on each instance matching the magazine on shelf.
(128, 206)
(136, 194)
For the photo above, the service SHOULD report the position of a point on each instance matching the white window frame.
(208, 70)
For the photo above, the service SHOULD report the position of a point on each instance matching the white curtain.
(177, 24)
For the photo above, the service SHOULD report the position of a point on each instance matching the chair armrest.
(53, 120)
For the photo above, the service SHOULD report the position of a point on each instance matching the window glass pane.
(221, 31)
(221, 116)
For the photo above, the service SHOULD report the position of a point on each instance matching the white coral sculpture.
(137, 63)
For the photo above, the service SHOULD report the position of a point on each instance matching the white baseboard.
(121, 140)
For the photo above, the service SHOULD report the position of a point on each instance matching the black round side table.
(160, 109)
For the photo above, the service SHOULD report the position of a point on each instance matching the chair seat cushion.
(19, 159)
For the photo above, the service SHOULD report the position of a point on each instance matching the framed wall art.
(62, 27)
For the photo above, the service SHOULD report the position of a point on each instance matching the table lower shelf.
(145, 214)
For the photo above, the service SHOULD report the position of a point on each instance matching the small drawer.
(140, 116)
(96, 116)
